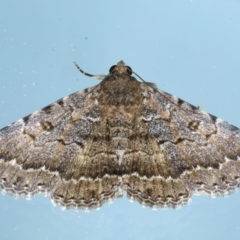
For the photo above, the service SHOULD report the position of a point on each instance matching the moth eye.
(129, 70)
(112, 68)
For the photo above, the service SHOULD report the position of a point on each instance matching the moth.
(119, 137)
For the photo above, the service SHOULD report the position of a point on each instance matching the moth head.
(120, 68)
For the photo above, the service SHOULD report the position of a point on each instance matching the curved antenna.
(152, 85)
(99, 77)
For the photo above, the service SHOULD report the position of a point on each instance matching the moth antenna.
(152, 85)
(99, 77)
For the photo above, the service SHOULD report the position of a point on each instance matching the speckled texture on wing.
(121, 136)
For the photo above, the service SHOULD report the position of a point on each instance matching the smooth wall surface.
(188, 48)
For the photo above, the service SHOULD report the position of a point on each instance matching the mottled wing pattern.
(121, 136)
(188, 152)
(43, 152)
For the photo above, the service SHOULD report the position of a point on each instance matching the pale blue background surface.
(190, 49)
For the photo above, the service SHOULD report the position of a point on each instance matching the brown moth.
(119, 137)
